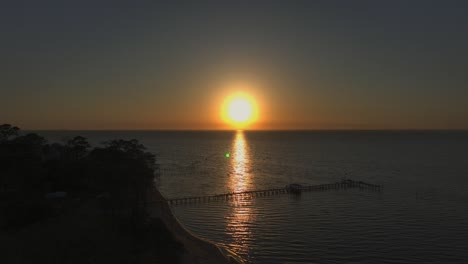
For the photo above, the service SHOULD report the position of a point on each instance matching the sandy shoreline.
(198, 250)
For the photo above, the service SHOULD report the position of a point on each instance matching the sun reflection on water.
(240, 164)
(240, 217)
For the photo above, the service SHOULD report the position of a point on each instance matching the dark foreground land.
(84, 236)
(70, 203)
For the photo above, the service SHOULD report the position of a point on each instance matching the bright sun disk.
(239, 110)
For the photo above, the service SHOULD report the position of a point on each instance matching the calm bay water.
(420, 217)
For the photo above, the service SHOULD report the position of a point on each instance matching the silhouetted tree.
(7, 131)
(21, 158)
(21, 170)
(77, 147)
(30, 168)
(134, 149)
(31, 139)
(126, 171)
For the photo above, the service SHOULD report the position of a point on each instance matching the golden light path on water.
(240, 217)
(240, 164)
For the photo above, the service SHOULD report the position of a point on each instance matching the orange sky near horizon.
(314, 65)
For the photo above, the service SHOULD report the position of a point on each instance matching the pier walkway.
(292, 188)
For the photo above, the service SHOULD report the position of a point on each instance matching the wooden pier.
(344, 184)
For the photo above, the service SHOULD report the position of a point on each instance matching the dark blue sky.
(163, 65)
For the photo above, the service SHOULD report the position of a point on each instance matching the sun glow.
(239, 110)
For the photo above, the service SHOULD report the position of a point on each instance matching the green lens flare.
(228, 155)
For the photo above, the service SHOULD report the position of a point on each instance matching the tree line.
(36, 176)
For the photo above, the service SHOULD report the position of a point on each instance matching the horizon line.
(264, 130)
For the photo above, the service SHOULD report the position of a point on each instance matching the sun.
(239, 110)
